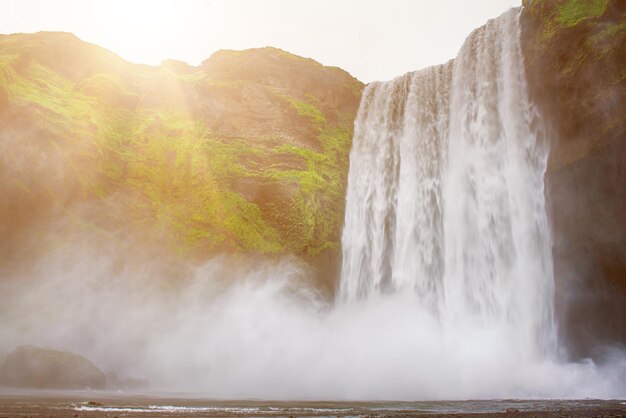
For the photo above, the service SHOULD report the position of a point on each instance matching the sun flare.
(142, 30)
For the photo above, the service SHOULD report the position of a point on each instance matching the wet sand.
(110, 404)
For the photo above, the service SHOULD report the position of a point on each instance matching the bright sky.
(372, 39)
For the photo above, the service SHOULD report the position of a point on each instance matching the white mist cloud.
(226, 330)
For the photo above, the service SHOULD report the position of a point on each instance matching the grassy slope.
(246, 153)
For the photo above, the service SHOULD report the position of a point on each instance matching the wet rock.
(575, 77)
(113, 382)
(40, 368)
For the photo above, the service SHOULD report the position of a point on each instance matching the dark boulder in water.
(40, 368)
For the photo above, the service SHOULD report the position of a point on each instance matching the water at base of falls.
(445, 195)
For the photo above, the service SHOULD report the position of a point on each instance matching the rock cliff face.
(247, 153)
(576, 65)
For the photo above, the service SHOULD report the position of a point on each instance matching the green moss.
(248, 227)
(572, 12)
(151, 163)
(609, 35)
(310, 111)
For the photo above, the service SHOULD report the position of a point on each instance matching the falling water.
(446, 196)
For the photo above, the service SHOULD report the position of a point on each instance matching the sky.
(371, 39)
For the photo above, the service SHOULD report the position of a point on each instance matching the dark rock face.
(588, 211)
(576, 65)
(40, 368)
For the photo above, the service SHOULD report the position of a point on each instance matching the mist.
(267, 334)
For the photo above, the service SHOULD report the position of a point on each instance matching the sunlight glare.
(142, 29)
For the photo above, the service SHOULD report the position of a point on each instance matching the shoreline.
(46, 403)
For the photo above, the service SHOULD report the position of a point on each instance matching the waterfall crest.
(445, 197)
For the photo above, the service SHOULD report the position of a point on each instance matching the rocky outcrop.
(576, 66)
(39, 368)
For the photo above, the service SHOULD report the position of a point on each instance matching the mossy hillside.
(571, 13)
(204, 161)
(581, 43)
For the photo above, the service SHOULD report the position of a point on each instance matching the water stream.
(446, 199)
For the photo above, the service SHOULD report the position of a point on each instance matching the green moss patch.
(572, 12)
(199, 159)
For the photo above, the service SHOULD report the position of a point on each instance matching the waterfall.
(445, 197)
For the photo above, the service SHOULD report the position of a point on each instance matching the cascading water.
(445, 194)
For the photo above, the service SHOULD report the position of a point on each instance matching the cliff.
(246, 153)
(576, 66)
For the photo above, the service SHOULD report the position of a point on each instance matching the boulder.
(40, 368)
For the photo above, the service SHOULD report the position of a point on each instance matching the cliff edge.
(576, 66)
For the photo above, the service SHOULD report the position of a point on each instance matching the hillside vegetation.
(576, 59)
(246, 153)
